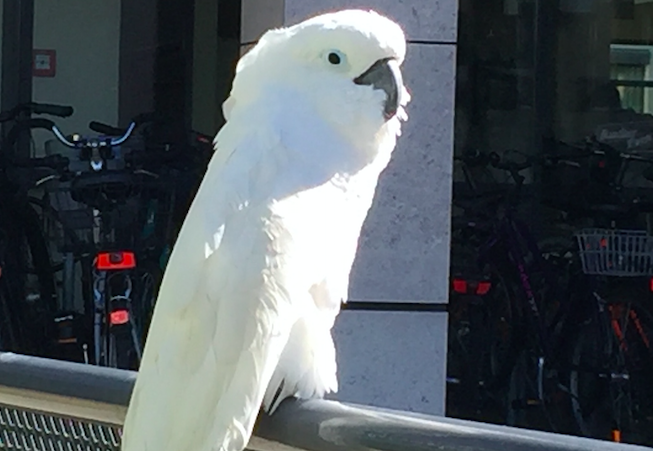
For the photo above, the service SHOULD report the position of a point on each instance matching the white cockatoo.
(262, 262)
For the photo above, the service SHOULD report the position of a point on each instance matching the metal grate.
(33, 431)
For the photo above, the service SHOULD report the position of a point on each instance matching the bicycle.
(115, 342)
(180, 163)
(123, 268)
(611, 359)
(521, 276)
(27, 288)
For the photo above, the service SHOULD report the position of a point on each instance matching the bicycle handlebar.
(47, 124)
(56, 162)
(105, 129)
(60, 163)
(140, 119)
(109, 142)
(36, 108)
(513, 165)
(595, 148)
(477, 159)
(493, 159)
(52, 110)
(586, 150)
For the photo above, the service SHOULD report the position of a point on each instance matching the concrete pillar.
(392, 338)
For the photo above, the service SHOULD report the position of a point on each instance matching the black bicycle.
(577, 339)
(125, 187)
(509, 294)
(27, 286)
(611, 356)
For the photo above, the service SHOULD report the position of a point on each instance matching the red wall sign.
(44, 63)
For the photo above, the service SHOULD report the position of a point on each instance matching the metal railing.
(60, 406)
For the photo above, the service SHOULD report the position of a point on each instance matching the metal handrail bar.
(97, 394)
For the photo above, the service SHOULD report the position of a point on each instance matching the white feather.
(261, 264)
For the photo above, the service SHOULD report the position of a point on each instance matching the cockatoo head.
(343, 66)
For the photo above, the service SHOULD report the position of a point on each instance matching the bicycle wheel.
(534, 397)
(481, 350)
(611, 370)
(121, 347)
(122, 352)
(499, 335)
(56, 231)
(8, 339)
(29, 281)
(146, 292)
(522, 393)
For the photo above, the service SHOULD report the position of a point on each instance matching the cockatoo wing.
(220, 324)
(307, 367)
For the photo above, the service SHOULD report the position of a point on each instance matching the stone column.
(392, 336)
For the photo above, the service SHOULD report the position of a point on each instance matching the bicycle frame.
(508, 232)
(620, 334)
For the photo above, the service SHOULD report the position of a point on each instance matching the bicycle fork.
(609, 315)
(537, 320)
(618, 377)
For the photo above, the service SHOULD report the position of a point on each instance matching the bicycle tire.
(27, 244)
(518, 393)
(40, 255)
(124, 342)
(599, 366)
(123, 345)
(8, 341)
(47, 212)
(122, 354)
(147, 290)
(481, 352)
(533, 389)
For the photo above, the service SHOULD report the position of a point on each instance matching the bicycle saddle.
(104, 189)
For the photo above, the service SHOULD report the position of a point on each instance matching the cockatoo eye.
(335, 57)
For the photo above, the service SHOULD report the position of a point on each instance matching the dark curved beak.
(386, 76)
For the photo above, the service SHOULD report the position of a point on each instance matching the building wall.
(394, 356)
(86, 36)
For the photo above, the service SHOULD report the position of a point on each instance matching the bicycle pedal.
(66, 328)
(524, 404)
(66, 336)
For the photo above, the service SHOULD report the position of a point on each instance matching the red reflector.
(483, 287)
(118, 317)
(460, 286)
(601, 163)
(650, 284)
(107, 261)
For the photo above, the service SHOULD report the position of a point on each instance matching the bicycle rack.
(50, 405)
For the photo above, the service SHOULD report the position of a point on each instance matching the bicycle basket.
(620, 253)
